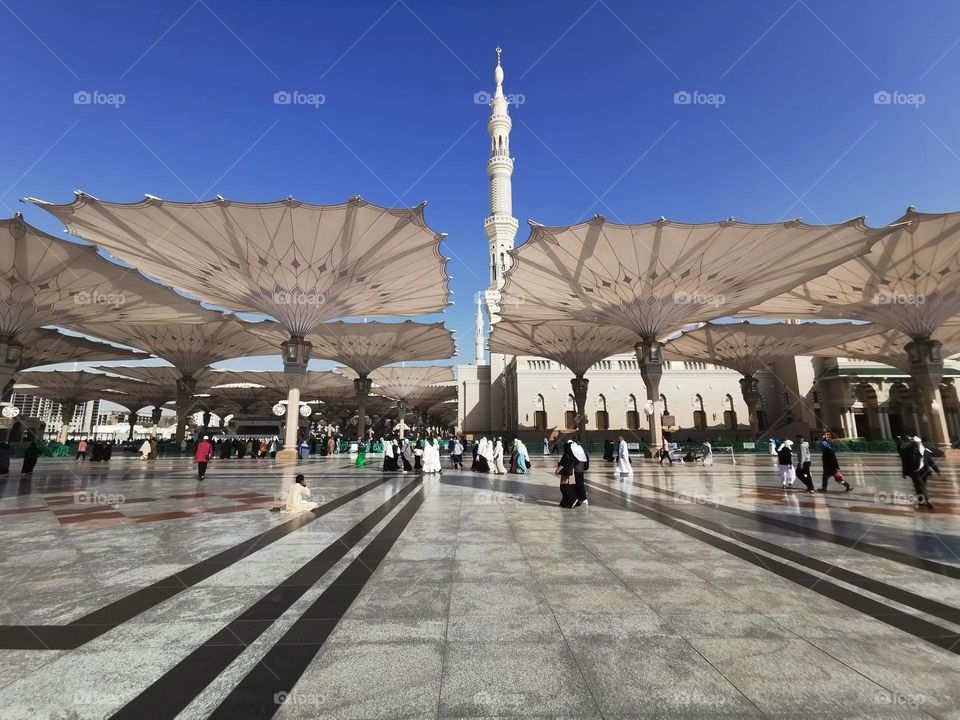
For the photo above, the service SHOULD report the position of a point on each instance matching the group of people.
(828, 460)
(488, 455)
(422, 455)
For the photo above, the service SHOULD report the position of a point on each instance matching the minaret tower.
(479, 350)
(500, 226)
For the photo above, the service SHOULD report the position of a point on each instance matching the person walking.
(803, 463)
(30, 457)
(664, 453)
(707, 453)
(523, 457)
(145, 450)
(831, 466)
(498, 467)
(623, 458)
(203, 455)
(5, 452)
(785, 462)
(920, 462)
(456, 454)
(406, 456)
(581, 464)
(568, 483)
(81, 450)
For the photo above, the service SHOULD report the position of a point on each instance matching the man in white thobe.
(623, 459)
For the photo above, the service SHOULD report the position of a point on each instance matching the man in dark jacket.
(831, 466)
(918, 464)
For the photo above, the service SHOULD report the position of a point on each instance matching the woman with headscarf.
(389, 459)
(484, 456)
(520, 450)
(431, 457)
(582, 464)
(623, 458)
(475, 449)
(30, 456)
(419, 455)
(226, 449)
(566, 467)
(406, 455)
(498, 468)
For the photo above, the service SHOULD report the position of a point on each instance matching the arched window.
(540, 413)
(729, 414)
(633, 414)
(699, 414)
(570, 413)
(603, 419)
(664, 410)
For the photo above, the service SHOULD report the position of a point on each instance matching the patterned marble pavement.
(130, 590)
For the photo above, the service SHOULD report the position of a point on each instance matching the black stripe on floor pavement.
(931, 632)
(97, 622)
(903, 558)
(177, 688)
(260, 694)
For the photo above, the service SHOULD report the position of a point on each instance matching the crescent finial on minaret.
(498, 55)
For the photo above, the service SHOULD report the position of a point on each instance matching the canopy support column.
(67, 410)
(296, 357)
(155, 416)
(750, 388)
(361, 386)
(926, 370)
(580, 384)
(132, 420)
(402, 412)
(650, 357)
(186, 386)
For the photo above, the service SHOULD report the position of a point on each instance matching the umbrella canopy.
(402, 383)
(191, 348)
(578, 346)
(302, 264)
(750, 347)
(657, 277)
(364, 347)
(47, 346)
(48, 281)
(909, 281)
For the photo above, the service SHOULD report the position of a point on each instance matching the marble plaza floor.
(130, 590)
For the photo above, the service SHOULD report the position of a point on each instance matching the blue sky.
(784, 118)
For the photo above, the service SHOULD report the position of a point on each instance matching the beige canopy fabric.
(161, 375)
(47, 346)
(137, 395)
(889, 347)
(657, 277)
(69, 386)
(313, 385)
(430, 395)
(578, 346)
(909, 281)
(401, 382)
(750, 347)
(239, 398)
(191, 348)
(364, 347)
(48, 281)
(302, 264)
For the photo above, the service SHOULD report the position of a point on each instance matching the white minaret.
(500, 226)
(479, 351)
